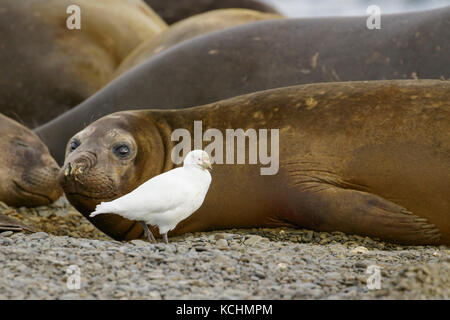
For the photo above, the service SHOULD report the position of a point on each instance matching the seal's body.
(189, 28)
(369, 158)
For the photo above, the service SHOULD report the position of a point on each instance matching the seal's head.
(108, 159)
(28, 172)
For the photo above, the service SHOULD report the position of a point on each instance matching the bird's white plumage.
(168, 198)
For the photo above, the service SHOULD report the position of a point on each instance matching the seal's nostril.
(68, 170)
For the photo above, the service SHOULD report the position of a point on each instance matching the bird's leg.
(165, 238)
(148, 233)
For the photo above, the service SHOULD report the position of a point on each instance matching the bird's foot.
(148, 233)
(151, 238)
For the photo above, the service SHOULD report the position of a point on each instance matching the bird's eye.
(121, 150)
(73, 145)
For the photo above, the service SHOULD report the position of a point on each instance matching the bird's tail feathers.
(103, 207)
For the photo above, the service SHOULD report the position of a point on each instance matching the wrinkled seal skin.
(367, 158)
(46, 69)
(28, 173)
(265, 55)
(175, 10)
(189, 28)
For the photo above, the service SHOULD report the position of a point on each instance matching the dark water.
(304, 8)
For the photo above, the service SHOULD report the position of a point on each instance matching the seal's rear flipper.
(11, 224)
(331, 208)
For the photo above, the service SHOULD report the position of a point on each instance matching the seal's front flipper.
(11, 224)
(330, 208)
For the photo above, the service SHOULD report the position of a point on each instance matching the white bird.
(166, 199)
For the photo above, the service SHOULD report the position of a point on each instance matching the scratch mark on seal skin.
(335, 75)
(314, 59)
(258, 115)
(311, 103)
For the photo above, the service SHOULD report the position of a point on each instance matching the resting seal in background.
(46, 68)
(190, 28)
(28, 173)
(368, 158)
(175, 10)
(265, 55)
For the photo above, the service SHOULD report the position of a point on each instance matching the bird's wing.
(160, 194)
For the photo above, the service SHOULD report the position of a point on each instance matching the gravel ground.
(232, 264)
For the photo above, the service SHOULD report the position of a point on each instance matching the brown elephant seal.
(264, 55)
(189, 28)
(46, 69)
(367, 158)
(175, 10)
(28, 173)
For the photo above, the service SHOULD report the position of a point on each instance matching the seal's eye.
(73, 145)
(21, 144)
(121, 150)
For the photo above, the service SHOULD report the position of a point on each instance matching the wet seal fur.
(368, 158)
(264, 55)
(46, 69)
(28, 173)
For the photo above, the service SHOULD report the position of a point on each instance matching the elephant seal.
(367, 158)
(265, 55)
(46, 68)
(175, 10)
(28, 173)
(189, 28)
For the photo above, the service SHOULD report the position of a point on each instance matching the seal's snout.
(82, 177)
(80, 166)
(40, 186)
(76, 170)
(68, 170)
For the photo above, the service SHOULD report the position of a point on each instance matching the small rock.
(359, 250)
(360, 265)
(308, 236)
(223, 235)
(154, 295)
(6, 234)
(44, 213)
(252, 241)
(223, 260)
(222, 244)
(39, 235)
(139, 243)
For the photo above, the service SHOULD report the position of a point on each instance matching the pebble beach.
(228, 264)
